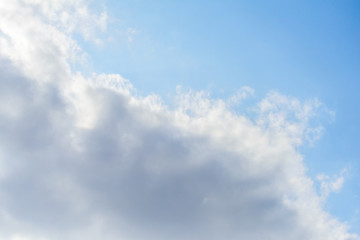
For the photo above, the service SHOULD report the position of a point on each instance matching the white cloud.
(70, 15)
(329, 184)
(291, 117)
(90, 159)
(241, 94)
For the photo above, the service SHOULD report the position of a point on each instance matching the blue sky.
(98, 141)
(304, 49)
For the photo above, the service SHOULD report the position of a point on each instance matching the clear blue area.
(304, 49)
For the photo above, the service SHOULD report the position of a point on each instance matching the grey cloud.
(143, 181)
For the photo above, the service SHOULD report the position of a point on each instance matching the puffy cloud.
(87, 158)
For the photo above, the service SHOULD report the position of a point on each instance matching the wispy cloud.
(332, 184)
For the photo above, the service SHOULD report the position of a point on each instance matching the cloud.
(331, 184)
(70, 16)
(88, 158)
(241, 94)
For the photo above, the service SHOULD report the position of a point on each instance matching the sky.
(175, 120)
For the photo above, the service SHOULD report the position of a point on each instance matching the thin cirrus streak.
(88, 158)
